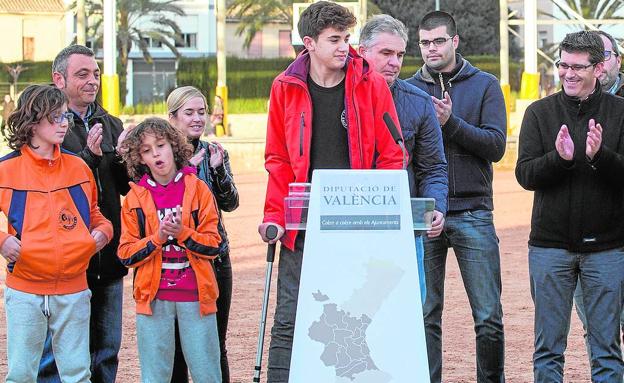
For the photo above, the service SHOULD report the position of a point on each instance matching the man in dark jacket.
(611, 81)
(382, 43)
(470, 108)
(571, 153)
(94, 136)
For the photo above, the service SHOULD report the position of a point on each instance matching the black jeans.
(223, 272)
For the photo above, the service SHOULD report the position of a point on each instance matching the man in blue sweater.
(382, 43)
(470, 108)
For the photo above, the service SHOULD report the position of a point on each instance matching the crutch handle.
(271, 233)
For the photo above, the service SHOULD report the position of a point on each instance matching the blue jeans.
(580, 310)
(473, 238)
(223, 272)
(104, 332)
(289, 274)
(554, 274)
(420, 260)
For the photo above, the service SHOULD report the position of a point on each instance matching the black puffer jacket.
(221, 183)
(112, 181)
(579, 204)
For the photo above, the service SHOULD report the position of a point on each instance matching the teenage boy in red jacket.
(326, 112)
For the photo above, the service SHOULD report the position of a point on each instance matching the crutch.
(271, 233)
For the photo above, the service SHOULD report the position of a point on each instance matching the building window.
(28, 48)
(285, 44)
(189, 40)
(542, 40)
(255, 48)
(151, 43)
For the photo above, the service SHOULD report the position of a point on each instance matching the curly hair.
(34, 104)
(131, 145)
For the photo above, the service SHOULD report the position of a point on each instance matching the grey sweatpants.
(30, 316)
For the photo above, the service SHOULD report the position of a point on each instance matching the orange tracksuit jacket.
(51, 207)
(141, 248)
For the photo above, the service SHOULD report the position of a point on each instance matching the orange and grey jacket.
(140, 246)
(51, 206)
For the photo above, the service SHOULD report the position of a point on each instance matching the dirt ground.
(512, 215)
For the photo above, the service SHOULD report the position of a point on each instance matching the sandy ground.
(512, 214)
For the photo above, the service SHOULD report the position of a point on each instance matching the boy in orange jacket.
(54, 227)
(169, 234)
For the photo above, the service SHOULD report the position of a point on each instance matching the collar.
(149, 183)
(616, 85)
(40, 161)
(300, 68)
(90, 109)
(577, 104)
(459, 63)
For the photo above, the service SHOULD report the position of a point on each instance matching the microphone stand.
(400, 142)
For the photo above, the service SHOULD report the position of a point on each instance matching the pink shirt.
(177, 279)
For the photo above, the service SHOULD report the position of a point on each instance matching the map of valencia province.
(342, 330)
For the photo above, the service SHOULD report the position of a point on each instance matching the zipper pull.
(301, 130)
(441, 84)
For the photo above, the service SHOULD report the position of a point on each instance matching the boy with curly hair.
(169, 235)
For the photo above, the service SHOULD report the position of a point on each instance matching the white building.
(31, 29)
(147, 82)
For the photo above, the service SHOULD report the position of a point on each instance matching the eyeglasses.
(607, 55)
(437, 42)
(62, 117)
(575, 67)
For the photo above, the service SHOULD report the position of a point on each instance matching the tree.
(138, 22)
(14, 72)
(409, 12)
(253, 15)
(477, 22)
(589, 9)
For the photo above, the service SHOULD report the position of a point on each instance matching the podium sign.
(359, 315)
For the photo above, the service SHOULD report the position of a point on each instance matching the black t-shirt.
(330, 145)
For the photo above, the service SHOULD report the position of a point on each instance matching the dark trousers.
(282, 332)
(473, 238)
(223, 272)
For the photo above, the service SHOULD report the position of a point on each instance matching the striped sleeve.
(135, 249)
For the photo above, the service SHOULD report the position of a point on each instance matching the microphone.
(394, 132)
(396, 136)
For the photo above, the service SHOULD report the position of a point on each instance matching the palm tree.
(253, 15)
(138, 22)
(589, 9)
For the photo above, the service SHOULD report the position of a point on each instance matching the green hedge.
(252, 78)
(249, 80)
(36, 72)
(490, 64)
